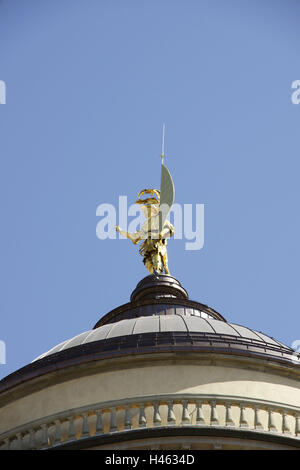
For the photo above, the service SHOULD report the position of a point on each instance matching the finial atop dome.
(156, 228)
(158, 286)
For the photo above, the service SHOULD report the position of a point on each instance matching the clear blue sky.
(89, 84)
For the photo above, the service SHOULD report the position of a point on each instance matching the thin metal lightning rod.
(163, 144)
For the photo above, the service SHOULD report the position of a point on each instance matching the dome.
(177, 330)
(161, 317)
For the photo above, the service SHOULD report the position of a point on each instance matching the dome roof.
(160, 318)
(206, 329)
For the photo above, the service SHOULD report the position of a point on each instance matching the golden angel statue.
(156, 229)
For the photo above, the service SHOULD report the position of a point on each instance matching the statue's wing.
(167, 195)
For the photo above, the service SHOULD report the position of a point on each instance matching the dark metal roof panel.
(99, 333)
(172, 323)
(246, 332)
(198, 324)
(151, 324)
(76, 341)
(121, 328)
(222, 328)
(264, 337)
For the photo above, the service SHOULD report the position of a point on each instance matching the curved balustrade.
(160, 411)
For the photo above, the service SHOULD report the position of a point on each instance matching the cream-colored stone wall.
(157, 379)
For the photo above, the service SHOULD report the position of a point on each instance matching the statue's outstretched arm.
(134, 237)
